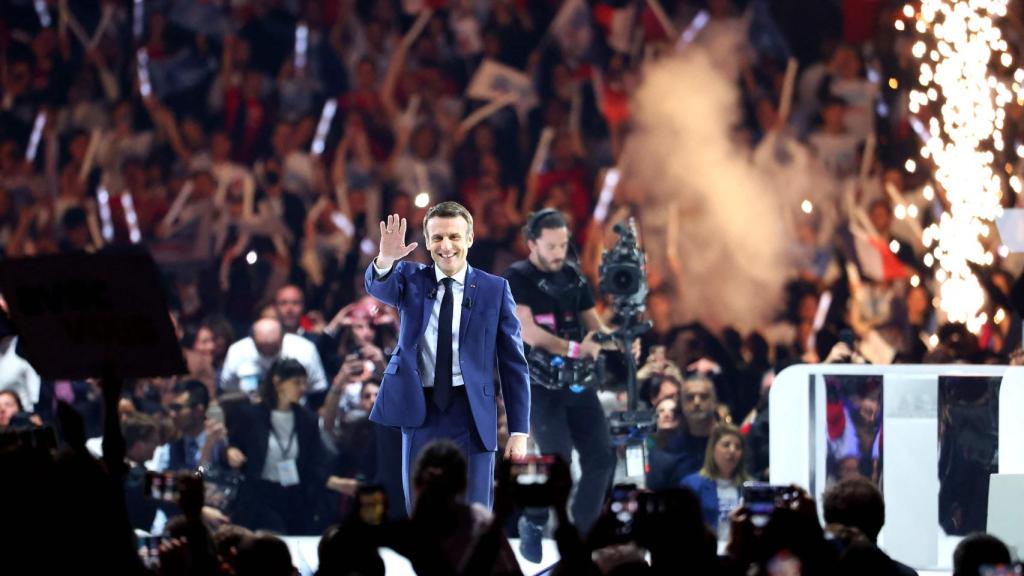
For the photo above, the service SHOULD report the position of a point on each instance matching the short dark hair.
(441, 468)
(263, 553)
(220, 326)
(546, 219)
(856, 503)
(976, 550)
(282, 369)
(227, 537)
(138, 427)
(198, 394)
(448, 209)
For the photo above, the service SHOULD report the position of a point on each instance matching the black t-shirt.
(559, 315)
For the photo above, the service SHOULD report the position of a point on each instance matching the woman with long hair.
(718, 483)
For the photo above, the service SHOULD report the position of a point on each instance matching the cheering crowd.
(253, 146)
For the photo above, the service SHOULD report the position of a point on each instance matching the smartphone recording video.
(162, 486)
(149, 551)
(761, 499)
(623, 507)
(373, 504)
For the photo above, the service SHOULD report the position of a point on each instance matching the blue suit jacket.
(489, 337)
(707, 490)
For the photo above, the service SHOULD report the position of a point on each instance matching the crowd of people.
(668, 531)
(251, 147)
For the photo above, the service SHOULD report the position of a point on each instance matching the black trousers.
(561, 420)
(270, 506)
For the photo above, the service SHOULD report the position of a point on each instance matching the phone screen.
(149, 551)
(759, 498)
(762, 499)
(623, 507)
(161, 486)
(372, 505)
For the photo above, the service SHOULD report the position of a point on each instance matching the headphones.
(530, 229)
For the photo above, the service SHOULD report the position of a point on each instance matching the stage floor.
(304, 557)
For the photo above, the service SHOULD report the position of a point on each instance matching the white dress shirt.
(428, 343)
(17, 375)
(244, 367)
(282, 444)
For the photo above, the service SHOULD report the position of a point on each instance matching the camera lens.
(623, 280)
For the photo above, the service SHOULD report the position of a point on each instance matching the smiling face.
(448, 240)
(206, 343)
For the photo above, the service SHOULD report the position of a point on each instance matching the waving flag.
(494, 81)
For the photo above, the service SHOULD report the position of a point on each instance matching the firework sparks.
(962, 93)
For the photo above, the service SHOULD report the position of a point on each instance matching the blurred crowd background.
(253, 146)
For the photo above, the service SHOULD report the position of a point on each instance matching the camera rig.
(623, 277)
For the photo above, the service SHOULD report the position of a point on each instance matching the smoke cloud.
(705, 202)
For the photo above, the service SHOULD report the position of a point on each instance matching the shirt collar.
(459, 277)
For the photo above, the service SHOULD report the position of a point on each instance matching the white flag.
(494, 81)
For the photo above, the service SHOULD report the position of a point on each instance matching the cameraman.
(556, 308)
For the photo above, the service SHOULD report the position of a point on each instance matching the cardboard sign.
(494, 81)
(88, 315)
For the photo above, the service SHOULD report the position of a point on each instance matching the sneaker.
(530, 537)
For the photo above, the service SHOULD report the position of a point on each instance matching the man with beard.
(683, 452)
(556, 307)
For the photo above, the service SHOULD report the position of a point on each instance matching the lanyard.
(284, 449)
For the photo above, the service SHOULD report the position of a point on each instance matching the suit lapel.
(261, 428)
(468, 295)
(428, 282)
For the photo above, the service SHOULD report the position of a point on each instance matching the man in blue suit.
(458, 325)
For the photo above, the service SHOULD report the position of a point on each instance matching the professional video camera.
(624, 278)
(623, 271)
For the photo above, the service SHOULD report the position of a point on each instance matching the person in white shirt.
(834, 146)
(249, 358)
(17, 375)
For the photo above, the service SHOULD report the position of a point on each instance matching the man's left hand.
(516, 447)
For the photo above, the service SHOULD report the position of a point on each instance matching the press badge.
(287, 473)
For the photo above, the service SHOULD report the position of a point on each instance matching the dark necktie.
(191, 444)
(443, 370)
